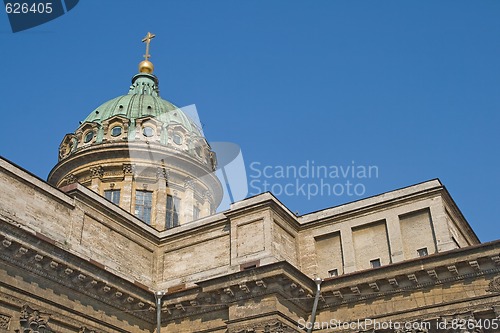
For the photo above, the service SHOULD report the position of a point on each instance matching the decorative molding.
(64, 274)
(474, 264)
(162, 173)
(261, 283)
(412, 278)
(71, 179)
(5, 321)
(6, 242)
(453, 269)
(229, 291)
(33, 321)
(207, 195)
(189, 183)
(128, 169)
(462, 323)
(432, 273)
(243, 286)
(393, 282)
(401, 285)
(265, 327)
(494, 286)
(97, 171)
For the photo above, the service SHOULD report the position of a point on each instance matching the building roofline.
(128, 220)
(256, 200)
(433, 184)
(403, 192)
(459, 211)
(31, 178)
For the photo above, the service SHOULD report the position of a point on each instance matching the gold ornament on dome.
(146, 66)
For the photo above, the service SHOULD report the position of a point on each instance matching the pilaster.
(440, 226)
(128, 177)
(348, 249)
(161, 199)
(96, 174)
(395, 238)
(188, 202)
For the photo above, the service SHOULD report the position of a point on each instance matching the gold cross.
(147, 40)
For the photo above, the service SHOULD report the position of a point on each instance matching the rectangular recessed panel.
(250, 238)
(329, 254)
(371, 243)
(417, 233)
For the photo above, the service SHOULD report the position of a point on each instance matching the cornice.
(369, 205)
(38, 256)
(418, 274)
(280, 280)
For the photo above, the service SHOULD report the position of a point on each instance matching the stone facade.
(71, 261)
(91, 249)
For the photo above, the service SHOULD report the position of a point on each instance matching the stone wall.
(92, 229)
(392, 230)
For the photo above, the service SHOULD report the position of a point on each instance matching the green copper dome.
(143, 100)
(139, 116)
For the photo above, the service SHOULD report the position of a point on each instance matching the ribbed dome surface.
(143, 100)
(140, 116)
(135, 106)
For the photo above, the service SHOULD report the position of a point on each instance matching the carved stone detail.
(229, 291)
(244, 288)
(33, 321)
(189, 183)
(261, 283)
(494, 286)
(161, 173)
(393, 282)
(267, 327)
(4, 321)
(97, 172)
(71, 179)
(128, 169)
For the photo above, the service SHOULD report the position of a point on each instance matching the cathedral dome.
(143, 100)
(141, 114)
(144, 154)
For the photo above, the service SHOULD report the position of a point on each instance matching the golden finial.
(146, 66)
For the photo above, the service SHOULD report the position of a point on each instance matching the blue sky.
(411, 87)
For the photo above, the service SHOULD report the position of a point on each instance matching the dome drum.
(147, 130)
(156, 173)
(154, 154)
